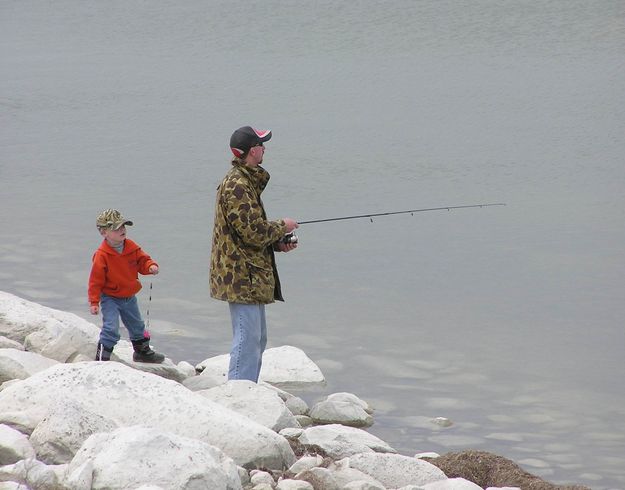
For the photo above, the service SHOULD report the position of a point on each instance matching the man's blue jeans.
(249, 339)
(112, 310)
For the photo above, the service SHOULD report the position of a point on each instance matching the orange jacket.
(116, 274)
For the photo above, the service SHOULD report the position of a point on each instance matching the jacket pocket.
(261, 279)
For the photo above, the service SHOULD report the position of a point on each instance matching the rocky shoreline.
(68, 422)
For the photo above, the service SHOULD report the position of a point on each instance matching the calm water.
(507, 320)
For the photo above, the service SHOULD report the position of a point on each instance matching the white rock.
(11, 485)
(289, 367)
(7, 343)
(262, 486)
(339, 441)
(293, 485)
(286, 367)
(123, 352)
(205, 381)
(66, 426)
(256, 402)
(452, 484)
(296, 405)
(304, 420)
(14, 446)
(291, 434)
(81, 476)
(362, 485)
(503, 488)
(319, 478)
(427, 455)
(343, 475)
(243, 475)
(395, 470)
(351, 398)
(261, 477)
(340, 412)
(32, 473)
(19, 364)
(186, 368)
(133, 456)
(305, 463)
(54, 334)
(131, 397)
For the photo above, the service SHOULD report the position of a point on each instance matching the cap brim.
(123, 223)
(263, 135)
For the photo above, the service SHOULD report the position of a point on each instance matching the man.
(243, 268)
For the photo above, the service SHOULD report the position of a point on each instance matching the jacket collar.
(258, 176)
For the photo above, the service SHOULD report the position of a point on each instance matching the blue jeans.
(114, 308)
(249, 339)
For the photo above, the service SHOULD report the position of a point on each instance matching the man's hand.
(291, 224)
(94, 309)
(153, 269)
(285, 247)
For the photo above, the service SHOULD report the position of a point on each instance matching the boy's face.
(114, 237)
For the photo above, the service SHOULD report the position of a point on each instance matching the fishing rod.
(411, 211)
(292, 238)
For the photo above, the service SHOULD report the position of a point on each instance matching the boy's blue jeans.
(249, 339)
(114, 308)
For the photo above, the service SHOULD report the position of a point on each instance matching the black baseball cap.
(245, 138)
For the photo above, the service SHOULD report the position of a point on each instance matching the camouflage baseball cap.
(111, 218)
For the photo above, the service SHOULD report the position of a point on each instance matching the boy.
(114, 282)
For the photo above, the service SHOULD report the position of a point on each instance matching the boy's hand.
(95, 309)
(153, 269)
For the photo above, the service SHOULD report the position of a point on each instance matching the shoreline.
(49, 344)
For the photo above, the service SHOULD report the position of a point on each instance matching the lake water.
(507, 320)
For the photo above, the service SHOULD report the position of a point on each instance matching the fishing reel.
(289, 238)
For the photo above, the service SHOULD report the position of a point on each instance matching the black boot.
(143, 352)
(103, 353)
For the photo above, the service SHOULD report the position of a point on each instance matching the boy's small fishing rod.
(411, 211)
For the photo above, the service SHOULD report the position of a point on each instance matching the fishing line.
(147, 313)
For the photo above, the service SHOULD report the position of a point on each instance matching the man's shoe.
(144, 353)
(103, 353)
